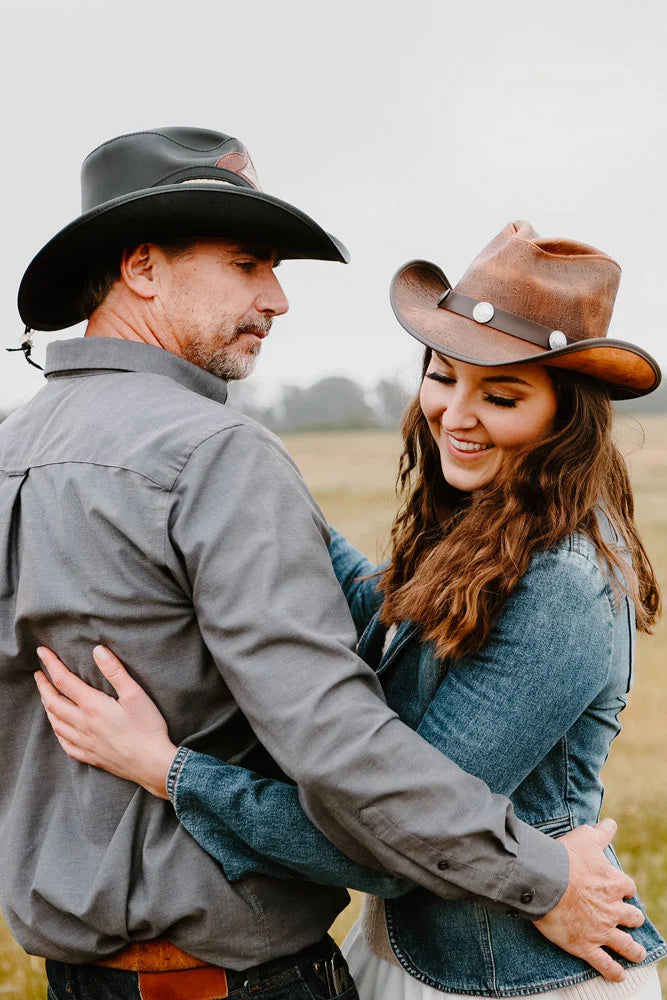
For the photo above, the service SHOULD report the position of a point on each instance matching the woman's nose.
(459, 414)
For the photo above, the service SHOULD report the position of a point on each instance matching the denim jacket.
(533, 714)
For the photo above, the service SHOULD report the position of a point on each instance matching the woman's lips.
(466, 450)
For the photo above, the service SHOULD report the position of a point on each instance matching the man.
(140, 512)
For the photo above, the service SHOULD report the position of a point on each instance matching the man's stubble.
(228, 360)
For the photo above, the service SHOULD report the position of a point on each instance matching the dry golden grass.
(352, 477)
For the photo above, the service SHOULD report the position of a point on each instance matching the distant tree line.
(655, 402)
(333, 403)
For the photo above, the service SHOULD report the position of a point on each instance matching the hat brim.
(51, 288)
(416, 289)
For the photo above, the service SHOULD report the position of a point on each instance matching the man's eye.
(246, 265)
(437, 377)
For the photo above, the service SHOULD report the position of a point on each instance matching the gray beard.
(225, 361)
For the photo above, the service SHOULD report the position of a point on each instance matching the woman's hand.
(127, 737)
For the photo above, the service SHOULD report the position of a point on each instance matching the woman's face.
(480, 417)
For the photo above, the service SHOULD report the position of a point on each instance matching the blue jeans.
(316, 973)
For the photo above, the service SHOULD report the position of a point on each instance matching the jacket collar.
(96, 355)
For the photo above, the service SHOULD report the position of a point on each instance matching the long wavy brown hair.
(457, 557)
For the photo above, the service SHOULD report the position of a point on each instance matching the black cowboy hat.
(161, 185)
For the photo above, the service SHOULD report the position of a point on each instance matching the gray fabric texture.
(137, 510)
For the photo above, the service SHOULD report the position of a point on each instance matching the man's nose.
(272, 298)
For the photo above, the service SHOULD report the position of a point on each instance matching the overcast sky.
(408, 129)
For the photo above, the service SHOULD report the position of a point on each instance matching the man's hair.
(105, 275)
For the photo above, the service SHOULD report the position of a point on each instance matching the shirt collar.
(98, 354)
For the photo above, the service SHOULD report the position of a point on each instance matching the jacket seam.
(489, 944)
(219, 430)
(100, 465)
(209, 437)
(565, 818)
(611, 609)
(174, 773)
(566, 755)
(594, 563)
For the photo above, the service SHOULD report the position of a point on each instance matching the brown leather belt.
(167, 973)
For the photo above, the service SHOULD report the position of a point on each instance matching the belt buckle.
(335, 972)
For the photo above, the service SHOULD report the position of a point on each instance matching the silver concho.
(557, 339)
(483, 312)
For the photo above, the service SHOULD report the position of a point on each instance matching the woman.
(502, 627)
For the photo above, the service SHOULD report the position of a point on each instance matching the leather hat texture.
(161, 184)
(526, 299)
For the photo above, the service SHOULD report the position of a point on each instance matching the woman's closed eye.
(501, 400)
(445, 379)
(507, 401)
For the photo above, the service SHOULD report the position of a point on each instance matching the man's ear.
(137, 270)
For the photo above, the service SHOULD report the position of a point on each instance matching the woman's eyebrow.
(506, 378)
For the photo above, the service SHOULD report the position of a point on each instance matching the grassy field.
(352, 477)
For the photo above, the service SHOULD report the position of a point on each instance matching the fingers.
(73, 751)
(626, 946)
(64, 680)
(70, 735)
(115, 672)
(630, 916)
(605, 965)
(628, 887)
(77, 690)
(606, 831)
(54, 702)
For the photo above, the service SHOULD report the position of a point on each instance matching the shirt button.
(527, 897)
(443, 865)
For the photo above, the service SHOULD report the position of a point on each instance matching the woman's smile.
(481, 417)
(466, 450)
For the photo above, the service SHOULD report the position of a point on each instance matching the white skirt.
(379, 980)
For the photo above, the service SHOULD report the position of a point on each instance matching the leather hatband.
(506, 322)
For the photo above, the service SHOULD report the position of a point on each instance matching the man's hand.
(126, 736)
(591, 910)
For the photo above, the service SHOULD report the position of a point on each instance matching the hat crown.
(141, 160)
(561, 284)
(526, 300)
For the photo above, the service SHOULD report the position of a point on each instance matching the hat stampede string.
(26, 346)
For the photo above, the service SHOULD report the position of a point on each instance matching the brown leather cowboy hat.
(525, 299)
(155, 185)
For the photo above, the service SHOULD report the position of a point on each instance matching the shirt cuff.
(174, 771)
(539, 876)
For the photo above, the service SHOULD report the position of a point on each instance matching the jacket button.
(443, 865)
(527, 897)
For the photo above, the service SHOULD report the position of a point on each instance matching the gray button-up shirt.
(137, 510)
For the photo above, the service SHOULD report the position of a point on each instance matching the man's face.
(217, 301)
